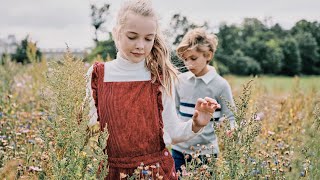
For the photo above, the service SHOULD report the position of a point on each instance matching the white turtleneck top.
(122, 70)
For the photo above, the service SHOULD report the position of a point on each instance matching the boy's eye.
(193, 58)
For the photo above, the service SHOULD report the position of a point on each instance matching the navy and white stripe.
(187, 110)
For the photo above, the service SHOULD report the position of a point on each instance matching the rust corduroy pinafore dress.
(132, 112)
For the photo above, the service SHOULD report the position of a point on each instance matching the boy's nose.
(188, 63)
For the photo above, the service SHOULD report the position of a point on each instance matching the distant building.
(8, 45)
(58, 53)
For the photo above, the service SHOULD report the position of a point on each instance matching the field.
(44, 134)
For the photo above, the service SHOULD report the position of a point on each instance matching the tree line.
(249, 48)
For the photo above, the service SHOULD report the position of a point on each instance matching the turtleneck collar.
(121, 69)
(128, 65)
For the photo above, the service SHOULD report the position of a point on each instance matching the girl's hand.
(203, 112)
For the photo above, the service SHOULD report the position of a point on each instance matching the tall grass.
(44, 117)
(44, 132)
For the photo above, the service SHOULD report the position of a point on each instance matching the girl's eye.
(131, 38)
(194, 58)
(147, 39)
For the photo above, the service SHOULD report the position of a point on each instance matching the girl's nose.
(139, 45)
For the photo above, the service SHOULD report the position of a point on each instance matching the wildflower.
(24, 131)
(145, 172)
(187, 156)
(198, 160)
(83, 154)
(44, 157)
(31, 141)
(2, 137)
(255, 172)
(271, 133)
(34, 168)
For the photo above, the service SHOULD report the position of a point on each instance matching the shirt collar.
(205, 78)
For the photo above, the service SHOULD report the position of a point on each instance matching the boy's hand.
(203, 112)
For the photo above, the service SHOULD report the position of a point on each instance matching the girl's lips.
(137, 54)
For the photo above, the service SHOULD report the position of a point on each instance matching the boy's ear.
(209, 56)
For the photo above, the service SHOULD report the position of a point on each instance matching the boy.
(197, 50)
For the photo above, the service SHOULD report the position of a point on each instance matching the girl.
(133, 96)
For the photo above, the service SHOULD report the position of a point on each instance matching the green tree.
(106, 49)
(267, 53)
(244, 65)
(99, 17)
(27, 52)
(251, 26)
(308, 48)
(229, 39)
(292, 60)
(306, 26)
(279, 31)
(179, 26)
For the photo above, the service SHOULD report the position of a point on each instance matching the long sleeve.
(91, 95)
(225, 98)
(177, 100)
(175, 130)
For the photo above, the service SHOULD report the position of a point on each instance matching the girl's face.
(136, 37)
(196, 62)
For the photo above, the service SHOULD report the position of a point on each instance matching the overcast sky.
(52, 23)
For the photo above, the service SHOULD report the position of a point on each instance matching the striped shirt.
(188, 89)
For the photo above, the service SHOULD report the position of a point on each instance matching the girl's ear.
(115, 36)
(114, 33)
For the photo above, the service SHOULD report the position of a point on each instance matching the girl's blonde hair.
(199, 40)
(158, 62)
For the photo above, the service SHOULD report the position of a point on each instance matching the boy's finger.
(195, 114)
(212, 101)
(200, 100)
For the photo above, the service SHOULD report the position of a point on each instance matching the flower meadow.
(44, 132)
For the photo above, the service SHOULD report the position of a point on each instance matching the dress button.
(166, 153)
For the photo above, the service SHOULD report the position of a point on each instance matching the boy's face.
(136, 37)
(196, 62)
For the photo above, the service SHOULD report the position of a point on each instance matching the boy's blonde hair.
(158, 62)
(199, 40)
